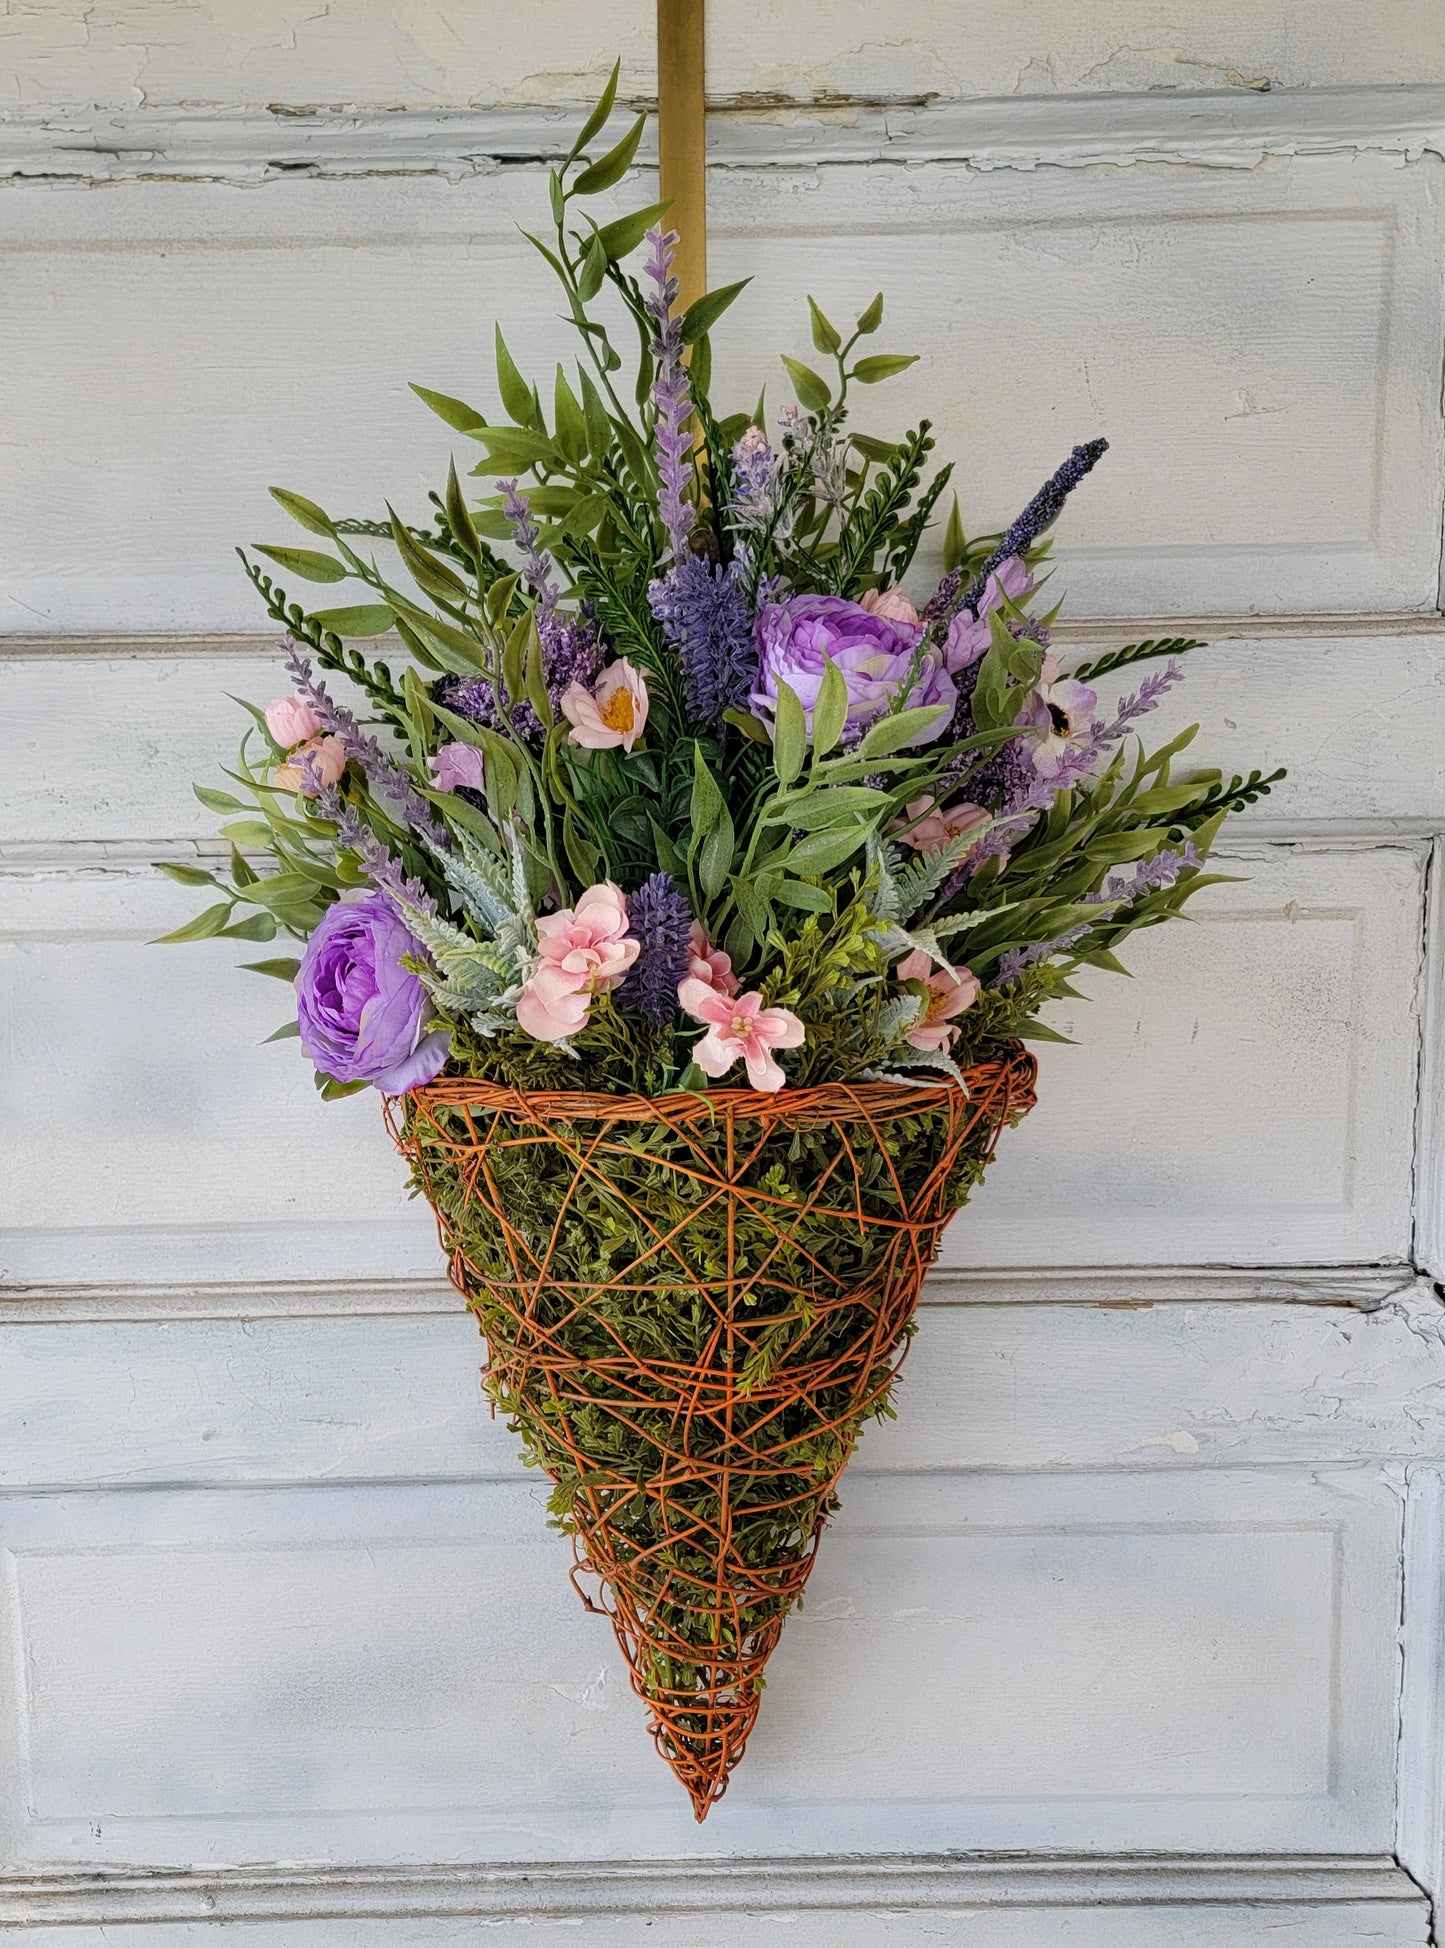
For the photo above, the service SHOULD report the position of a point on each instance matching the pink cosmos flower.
(968, 636)
(456, 765)
(946, 992)
(582, 952)
(928, 828)
(892, 604)
(312, 766)
(1058, 719)
(709, 964)
(611, 714)
(292, 721)
(739, 1025)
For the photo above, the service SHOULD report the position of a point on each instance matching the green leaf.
(703, 313)
(582, 856)
(955, 542)
(599, 426)
(428, 571)
(516, 393)
(256, 926)
(812, 391)
(369, 619)
(822, 851)
(597, 120)
(186, 875)
(571, 433)
(455, 412)
(1036, 1031)
(825, 337)
(593, 274)
(203, 927)
(306, 512)
(878, 451)
(285, 1033)
(612, 167)
(882, 365)
(811, 899)
(790, 735)
(217, 801)
(895, 733)
(279, 970)
(534, 679)
(514, 655)
(741, 720)
(332, 1091)
(815, 810)
(305, 562)
(459, 518)
(870, 319)
(512, 449)
(1117, 848)
(621, 238)
(282, 889)
(830, 712)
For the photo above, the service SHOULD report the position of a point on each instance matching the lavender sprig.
(1144, 699)
(536, 565)
(1041, 512)
(1152, 877)
(660, 920)
(381, 867)
(1017, 959)
(671, 396)
(705, 613)
(381, 772)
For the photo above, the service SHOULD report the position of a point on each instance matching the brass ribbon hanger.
(681, 137)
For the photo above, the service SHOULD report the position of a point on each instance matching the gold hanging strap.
(681, 139)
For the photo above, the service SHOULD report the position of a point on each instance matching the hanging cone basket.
(691, 1304)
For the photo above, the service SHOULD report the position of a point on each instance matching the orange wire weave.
(794, 1349)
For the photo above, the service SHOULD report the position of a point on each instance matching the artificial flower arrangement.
(688, 892)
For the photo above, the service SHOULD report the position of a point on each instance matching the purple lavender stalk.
(1017, 959)
(1041, 512)
(671, 395)
(1152, 877)
(1144, 699)
(661, 921)
(382, 774)
(536, 565)
(704, 612)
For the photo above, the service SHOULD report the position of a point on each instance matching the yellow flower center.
(619, 713)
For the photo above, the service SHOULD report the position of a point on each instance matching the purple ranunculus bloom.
(873, 654)
(968, 634)
(360, 1011)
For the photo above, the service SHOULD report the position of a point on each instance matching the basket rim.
(824, 1101)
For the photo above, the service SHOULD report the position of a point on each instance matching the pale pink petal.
(713, 1055)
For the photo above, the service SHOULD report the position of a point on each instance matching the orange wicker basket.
(691, 1304)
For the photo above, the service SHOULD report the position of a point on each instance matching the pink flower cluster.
(944, 992)
(583, 951)
(313, 761)
(738, 1025)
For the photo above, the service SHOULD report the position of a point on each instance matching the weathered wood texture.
(1127, 1581)
(126, 52)
(1257, 343)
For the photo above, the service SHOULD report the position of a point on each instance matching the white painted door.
(1129, 1633)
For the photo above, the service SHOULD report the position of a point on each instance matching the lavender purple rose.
(360, 1012)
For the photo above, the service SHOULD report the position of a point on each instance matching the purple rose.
(873, 653)
(359, 1010)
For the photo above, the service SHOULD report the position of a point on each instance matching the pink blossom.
(968, 636)
(927, 828)
(945, 992)
(456, 765)
(739, 1025)
(611, 714)
(582, 952)
(709, 964)
(312, 766)
(892, 604)
(1057, 720)
(292, 721)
